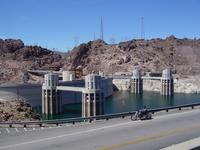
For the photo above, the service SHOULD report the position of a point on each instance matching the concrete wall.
(152, 85)
(186, 85)
(70, 97)
(33, 93)
(107, 87)
(148, 85)
(122, 84)
(189, 85)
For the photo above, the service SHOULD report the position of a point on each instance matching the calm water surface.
(123, 101)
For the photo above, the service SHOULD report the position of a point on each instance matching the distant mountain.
(16, 58)
(181, 55)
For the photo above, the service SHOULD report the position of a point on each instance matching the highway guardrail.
(90, 119)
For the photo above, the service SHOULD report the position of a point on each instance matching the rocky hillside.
(16, 110)
(181, 55)
(16, 58)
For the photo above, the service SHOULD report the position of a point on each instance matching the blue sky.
(57, 23)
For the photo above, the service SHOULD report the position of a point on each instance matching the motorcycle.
(141, 115)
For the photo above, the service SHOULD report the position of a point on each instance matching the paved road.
(160, 132)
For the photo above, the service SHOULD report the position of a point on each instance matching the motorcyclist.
(141, 114)
(143, 111)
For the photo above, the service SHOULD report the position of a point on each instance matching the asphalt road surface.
(116, 134)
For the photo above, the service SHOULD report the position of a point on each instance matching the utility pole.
(101, 30)
(142, 28)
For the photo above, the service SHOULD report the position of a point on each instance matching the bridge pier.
(167, 83)
(92, 96)
(51, 99)
(136, 82)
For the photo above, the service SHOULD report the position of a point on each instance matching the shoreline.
(190, 85)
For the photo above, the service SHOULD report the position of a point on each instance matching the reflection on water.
(126, 101)
(123, 101)
(70, 111)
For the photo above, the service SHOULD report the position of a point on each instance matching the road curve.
(161, 131)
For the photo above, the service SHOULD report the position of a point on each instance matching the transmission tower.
(101, 29)
(142, 28)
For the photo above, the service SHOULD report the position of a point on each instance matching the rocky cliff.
(181, 55)
(16, 58)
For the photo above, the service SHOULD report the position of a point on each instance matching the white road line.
(25, 129)
(33, 129)
(42, 128)
(16, 130)
(7, 130)
(65, 135)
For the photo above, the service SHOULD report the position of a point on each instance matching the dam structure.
(94, 89)
(93, 96)
(51, 100)
(167, 84)
(136, 83)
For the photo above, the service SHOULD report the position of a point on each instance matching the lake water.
(123, 101)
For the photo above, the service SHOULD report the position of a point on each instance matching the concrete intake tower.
(93, 96)
(136, 82)
(51, 100)
(167, 83)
